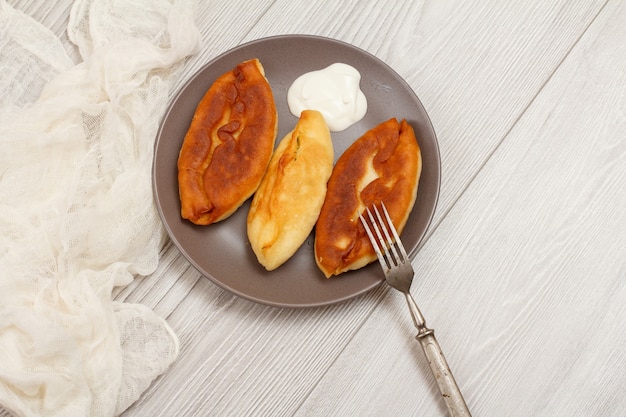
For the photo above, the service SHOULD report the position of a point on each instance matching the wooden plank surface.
(538, 241)
(522, 273)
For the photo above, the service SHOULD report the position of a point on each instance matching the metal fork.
(399, 274)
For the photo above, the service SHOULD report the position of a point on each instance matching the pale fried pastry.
(382, 165)
(228, 145)
(288, 201)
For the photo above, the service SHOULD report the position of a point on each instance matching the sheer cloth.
(77, 217)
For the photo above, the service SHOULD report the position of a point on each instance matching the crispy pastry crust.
(228, 145)
(382, 165)
(288, 201)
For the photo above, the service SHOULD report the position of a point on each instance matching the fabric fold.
(77, 216)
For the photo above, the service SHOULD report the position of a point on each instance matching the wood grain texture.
(522, 274)
(538, 242)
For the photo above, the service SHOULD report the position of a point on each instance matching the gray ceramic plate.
(221, 251)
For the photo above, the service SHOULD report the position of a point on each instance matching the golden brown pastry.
(382, 165)
(228, 145)
(288, 201)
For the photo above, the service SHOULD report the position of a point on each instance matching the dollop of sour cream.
(333, 91)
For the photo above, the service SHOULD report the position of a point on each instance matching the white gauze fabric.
(77, 218)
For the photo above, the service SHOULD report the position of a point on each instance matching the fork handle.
(438, 365)
(441, 371)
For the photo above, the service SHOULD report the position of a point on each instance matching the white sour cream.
(333, 91)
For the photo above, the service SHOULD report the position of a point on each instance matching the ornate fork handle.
(439, 366)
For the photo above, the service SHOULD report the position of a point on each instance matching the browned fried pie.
(382, 165)
(228, 145)
(290, 197)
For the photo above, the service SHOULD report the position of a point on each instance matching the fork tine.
(395, 234)
(375, 243)
(390, 247)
